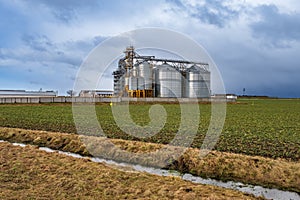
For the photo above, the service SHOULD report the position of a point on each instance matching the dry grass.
(28, 173)
(256, 170)
(250, 169)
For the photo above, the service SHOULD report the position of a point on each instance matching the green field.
(269, 127)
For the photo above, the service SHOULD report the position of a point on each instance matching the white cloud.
(289, 6)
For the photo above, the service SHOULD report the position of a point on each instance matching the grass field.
(268, 127)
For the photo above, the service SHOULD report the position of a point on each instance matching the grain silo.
(197, 82)
(133, 83)
(168, 81)
(147, 76)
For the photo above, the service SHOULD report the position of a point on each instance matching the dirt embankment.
(255, 170)
(28, 173)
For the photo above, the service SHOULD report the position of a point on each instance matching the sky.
(254, 43)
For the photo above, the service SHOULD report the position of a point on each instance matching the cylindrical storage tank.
(205, 75)
(133, 83)
(126, 80)
(134, 71)
(197, 82)
(168, 81)
(145, 72)
(206, 84)
(140, 83)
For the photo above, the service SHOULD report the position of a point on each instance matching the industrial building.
(27, 94)
(95, 93)
(146, 76)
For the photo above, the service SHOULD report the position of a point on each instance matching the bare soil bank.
(255, 170)
(28, 173)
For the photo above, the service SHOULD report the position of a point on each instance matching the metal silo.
(168, 81)
(134, 70)
(133, 83)
(205, 89)
(145, 75)
(197, 82)
(140, 83)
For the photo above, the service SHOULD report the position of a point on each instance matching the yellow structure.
(140, 93)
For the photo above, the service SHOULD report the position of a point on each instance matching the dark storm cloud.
(52, 38)
(37, 42)
(263, 66)
(269, 72)
(65, 15)
(213, 12)
(66, 10)
(278, 29)
(177, 3)
(39, 48)
(43, 49)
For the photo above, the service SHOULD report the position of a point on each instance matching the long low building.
(24, 93)
(96, 93)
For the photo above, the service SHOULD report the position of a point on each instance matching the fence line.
(29, 100)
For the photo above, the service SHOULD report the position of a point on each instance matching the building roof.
(24, 93)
